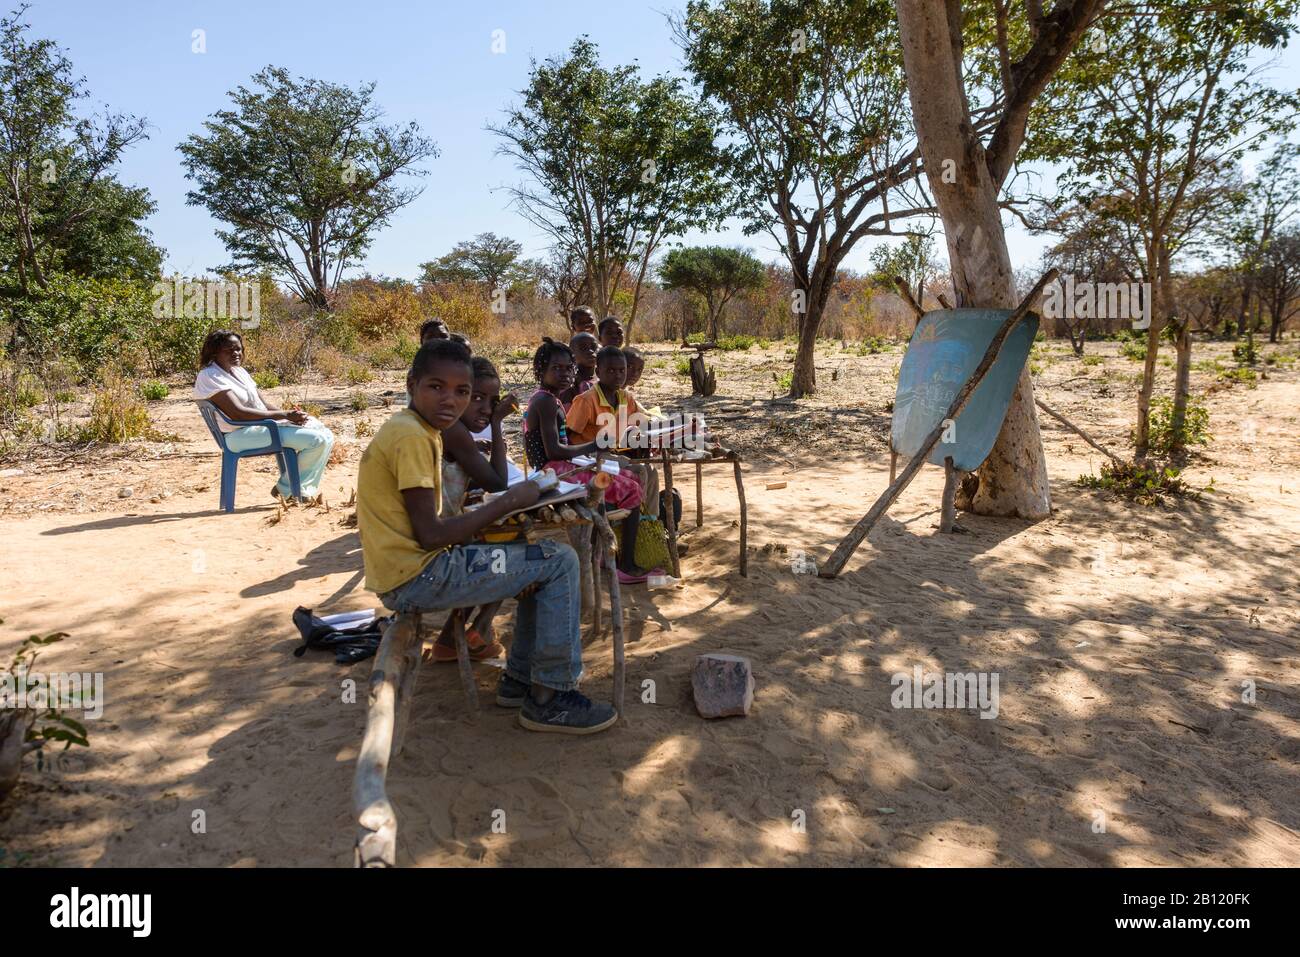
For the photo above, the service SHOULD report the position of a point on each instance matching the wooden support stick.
(893, 465)
(1077, 431)
(908, 298)
(596, 625)
(699, 495)
(948, 512)
(376, 844)
(462, 660)
(854, 538)
(744, 519)
(406, 691)
(670, 520)
(943, 301)
(605, 549)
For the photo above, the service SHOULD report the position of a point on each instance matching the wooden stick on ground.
(908, 298)
(1077, 431)
(854, 538)
(377, 834)
(744, 520)
(948, 511)
(943, 301)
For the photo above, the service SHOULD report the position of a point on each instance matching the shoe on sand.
(568, 712)
(511, 692)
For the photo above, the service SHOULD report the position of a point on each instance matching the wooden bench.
(392, 689)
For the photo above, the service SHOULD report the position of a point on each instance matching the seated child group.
(419, 541)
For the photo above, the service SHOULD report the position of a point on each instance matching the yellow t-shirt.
(406, 452)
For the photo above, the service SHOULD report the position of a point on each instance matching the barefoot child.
(418, 559)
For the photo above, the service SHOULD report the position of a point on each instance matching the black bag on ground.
(349, 644)
(677, 508)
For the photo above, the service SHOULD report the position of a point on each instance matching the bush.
(266, 379)
(359, 402)
(116, 415)
(1134, 347)
(735, 343)
(872, 345)
(1092, 360)
(358, 374)
(376, 311)
(683, 367)
(89, 321)
(1240, 374)
(1196, 424)
(1245, 352)
(154, 391)
(1150, 484)
(785, 381)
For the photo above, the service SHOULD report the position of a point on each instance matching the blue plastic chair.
(230, 460)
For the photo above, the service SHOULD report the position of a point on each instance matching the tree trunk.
(1142, 433)
(804, 380)
(1013, 479)
(1182, 388)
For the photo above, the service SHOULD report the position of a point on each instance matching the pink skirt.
(624, 492)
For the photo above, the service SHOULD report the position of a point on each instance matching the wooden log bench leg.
(670, 520)
(605, 552)
(948, 510)
(744, 520)
(376, 844)
(699, 495)
(463, 662)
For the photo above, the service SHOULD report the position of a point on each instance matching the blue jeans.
(547, 648)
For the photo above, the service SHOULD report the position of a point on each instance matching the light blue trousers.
(313, 444)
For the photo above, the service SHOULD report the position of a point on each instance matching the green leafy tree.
(912, 261)
(1157, 134)
(304, 173)
(820, 147)
(61, 210)
(496, 261)
(614, 164)
(1272, 200)
(715, 273)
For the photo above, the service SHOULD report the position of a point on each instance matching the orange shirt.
(583, 419)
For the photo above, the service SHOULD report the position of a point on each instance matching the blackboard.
(945, 349)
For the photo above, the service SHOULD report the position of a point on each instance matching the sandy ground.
(1105, 623)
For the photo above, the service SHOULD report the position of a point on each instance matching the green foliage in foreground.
(1142, 484)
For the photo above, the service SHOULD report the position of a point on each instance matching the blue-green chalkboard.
(945, 349)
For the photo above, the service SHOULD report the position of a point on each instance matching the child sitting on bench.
(465, 467)
(417, 559)
(546, 439)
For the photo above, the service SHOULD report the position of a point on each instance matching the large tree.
(60, 207)
(716, 273)
(1271, 202)
(1158, 133)
(1279, 280)
(969, 144)
(488, 258)
(305, 174)
(615, 165)
(820, 146)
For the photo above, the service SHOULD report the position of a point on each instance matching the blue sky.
(432, 62)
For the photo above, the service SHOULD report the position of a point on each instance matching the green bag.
(651, 549)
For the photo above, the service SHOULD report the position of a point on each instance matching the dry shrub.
(278, 347)
(464, 306)
(117, 414)
(330, 362)
(376, 311)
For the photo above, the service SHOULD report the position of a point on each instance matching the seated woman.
(464, 467)
(223, 381)
(546, 442)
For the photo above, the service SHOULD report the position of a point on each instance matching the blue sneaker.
(568, 712)
(511, 692)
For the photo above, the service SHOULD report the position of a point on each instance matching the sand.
(1121, 637)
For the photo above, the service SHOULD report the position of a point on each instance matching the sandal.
(479, 650)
